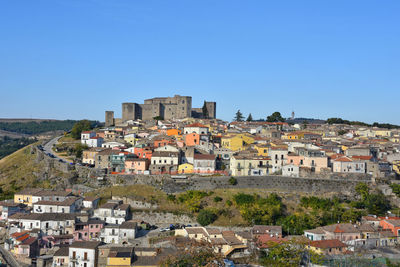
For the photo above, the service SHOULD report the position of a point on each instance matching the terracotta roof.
(196, 125)
(266, 241)
(343, 159)
(330, 243)
(362, 157)
(204, 157)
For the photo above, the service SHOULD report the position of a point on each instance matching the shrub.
(171, 197)
(217, 199)
(233, 181)
(228, 203)
(243, 199)
(206, 217)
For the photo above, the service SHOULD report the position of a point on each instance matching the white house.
(70, 205)
(167, 148)
(112, 144)
(87, 135)
(347, 165)
(195, 128)
(204, 163)
(84, 254)
(113, 212)
(93, 141)
(291, 170)
(119, 234)
(48, 223)
(278, 158)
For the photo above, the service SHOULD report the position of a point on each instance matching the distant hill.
(34, 127)
(24, 120)
(305, 120)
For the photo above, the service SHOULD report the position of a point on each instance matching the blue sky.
(76, 58)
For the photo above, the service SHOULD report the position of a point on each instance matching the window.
(301, 162)
(74, 254)
(85, 256)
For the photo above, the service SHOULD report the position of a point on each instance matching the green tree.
(79, 150)
(275, 117)
(362, 190)
(206, 217)
(249, 118)
(233, 181)
(205, 111)
(79, 127)
(238, 116)
(288, 254)
(377, 204)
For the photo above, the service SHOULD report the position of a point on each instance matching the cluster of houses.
(64, 229)
(40, 221)
(242, 148)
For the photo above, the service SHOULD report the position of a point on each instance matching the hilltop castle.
(176, 107)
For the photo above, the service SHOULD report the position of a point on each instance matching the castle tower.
(212, 109)
(128, 111)
(109, 121)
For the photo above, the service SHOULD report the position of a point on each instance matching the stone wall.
(313, 185)
(157, 218)
(135, 204)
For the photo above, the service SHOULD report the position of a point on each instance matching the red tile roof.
(196, 125)
(331, 243)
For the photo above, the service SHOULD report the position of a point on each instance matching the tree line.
(37, 127)
(274, 117)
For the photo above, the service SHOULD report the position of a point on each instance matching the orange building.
(192, 139)
(392, 225)
(173, 132)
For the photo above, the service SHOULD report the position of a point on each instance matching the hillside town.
(45, 227)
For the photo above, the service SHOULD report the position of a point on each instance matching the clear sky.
(77, 58)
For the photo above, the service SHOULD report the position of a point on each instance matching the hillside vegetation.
(243, 207)
(17, 171)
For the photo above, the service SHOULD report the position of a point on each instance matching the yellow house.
(131, 138)
(396, 166)
(395, 139)
(25, 196)
(120, 256)
(262, 150)
(236, 142)
(185, 168)
(383, 132)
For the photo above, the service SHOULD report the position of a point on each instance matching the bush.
(228, 203)
(217, 199)
(233, 181)
(206, 217)
(171, 198)
(243, 199)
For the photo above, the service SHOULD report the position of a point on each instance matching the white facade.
(278, 159)
(196, 129)
(93, 142)
(349, 166)
(82, 257)
(112, 144)
(291, 170)
(87, 135)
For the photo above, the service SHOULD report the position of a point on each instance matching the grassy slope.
(231, 217)
(16, 170)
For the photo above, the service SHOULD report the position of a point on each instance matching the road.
(47, 148)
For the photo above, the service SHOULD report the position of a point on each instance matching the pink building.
(86, 231)
(136, 166)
